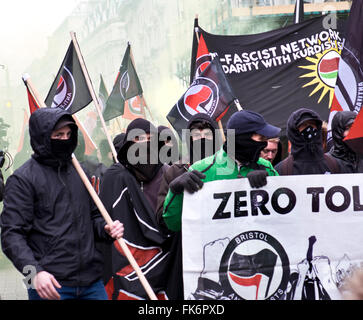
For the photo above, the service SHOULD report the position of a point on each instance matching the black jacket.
(49, 220)
(308, 158)
(347, 158)
(123, 199)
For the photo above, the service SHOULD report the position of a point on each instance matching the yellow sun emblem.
(324, 71)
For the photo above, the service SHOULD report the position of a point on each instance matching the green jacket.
(217, 167)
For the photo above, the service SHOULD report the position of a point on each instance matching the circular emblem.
(328, 68)
(254, 266)
(135, 105)
(201, 97)
(124, 84)
(66, 90)
(202, 63)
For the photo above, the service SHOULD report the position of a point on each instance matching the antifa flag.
(102, 93)
(209, 93)
(127, 85)
(354, 139)
(33, 105)
(148, 245)
(203, 58)
(134, 108)
(276, 72)
(349, 85)
(69, 90)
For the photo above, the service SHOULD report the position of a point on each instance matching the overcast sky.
(24, 28)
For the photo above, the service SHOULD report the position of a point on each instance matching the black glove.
(190, 181)
(257, 178)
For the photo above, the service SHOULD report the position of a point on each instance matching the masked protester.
(232, 161)
(169, 143)
(307, 154)
(348, 160)
(202, 137)
(49, 222)
(129, 192)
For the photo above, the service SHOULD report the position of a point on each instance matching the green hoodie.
(217, 167)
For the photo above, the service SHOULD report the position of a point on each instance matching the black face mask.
(62, 149)
(145, 172)
(309, 133)
(200, 149)
(246, 149)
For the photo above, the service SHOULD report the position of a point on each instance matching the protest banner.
(296, 238)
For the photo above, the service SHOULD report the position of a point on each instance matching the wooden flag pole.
(109, 221)
(33, 90)
(99, 204)
(93, 94)
(196, 29)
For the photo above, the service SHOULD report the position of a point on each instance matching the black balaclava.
(307, 144)
(247, 151)
(62, 149)
(340, 149)
(167, 136)
(202, 148)
(143, 172)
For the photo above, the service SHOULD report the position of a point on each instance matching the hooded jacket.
(49, 221)
(179, 168)
(149, 186)
(347, 158)
(308, 157)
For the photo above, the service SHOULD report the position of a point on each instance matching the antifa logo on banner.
(65, 92)
(280, 69)
(203, 58)
(262, 275)
(124, 84)
(202, 63)
(201, 97)
(349, 90)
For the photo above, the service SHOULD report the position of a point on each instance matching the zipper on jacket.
(142, 186)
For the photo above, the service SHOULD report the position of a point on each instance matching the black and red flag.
(124, 200)
(134, 108)
(33, 105)
(348, 93)
(127, 85)
(276, 72)
(209, 93)
(354, 139)
(69, 90)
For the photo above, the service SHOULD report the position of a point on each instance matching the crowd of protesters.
(51, 226)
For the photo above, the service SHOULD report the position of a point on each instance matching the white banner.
(296, 238)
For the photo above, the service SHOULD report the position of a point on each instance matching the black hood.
(203, 117)
(339, 123)
(126, 142)
(299, 147)
(41, 125)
